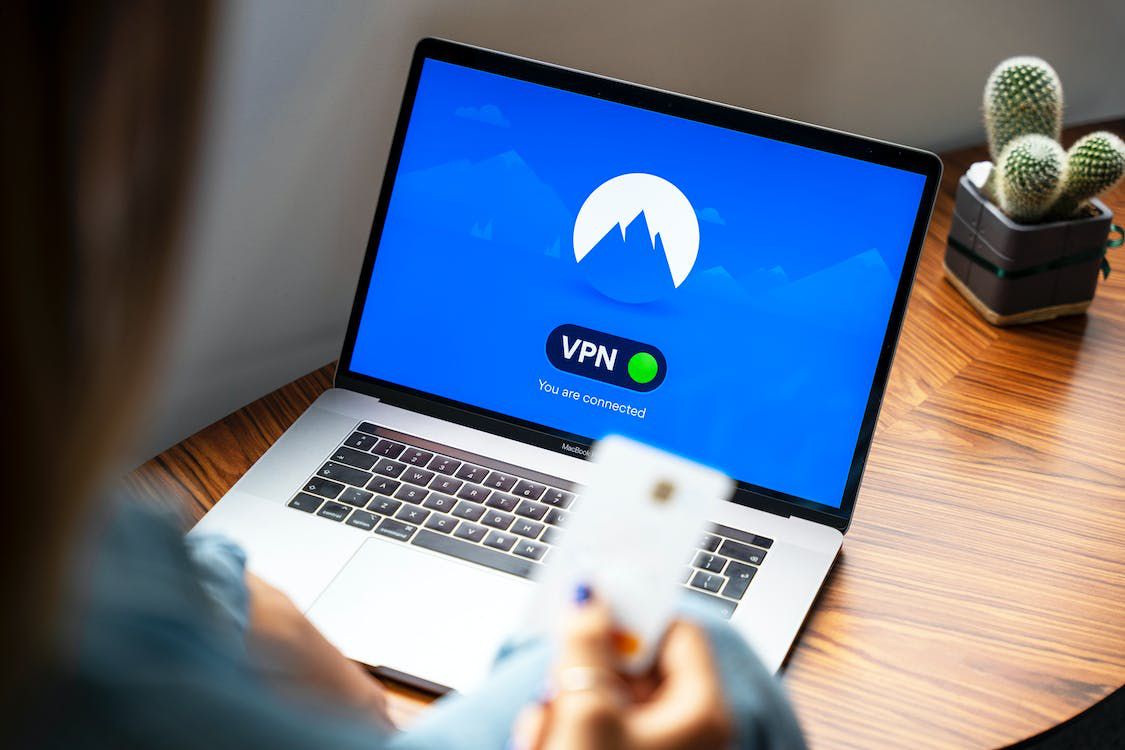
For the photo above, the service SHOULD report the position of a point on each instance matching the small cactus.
(1023, 96)
(1028, 177)
(1094, 164)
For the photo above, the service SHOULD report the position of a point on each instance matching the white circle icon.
(617, 202)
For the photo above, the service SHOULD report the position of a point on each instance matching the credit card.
(629, 537)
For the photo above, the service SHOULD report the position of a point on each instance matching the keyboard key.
(412, 514)
(307, 503)
(420, 477)
(441, 523)
(467, 510)
(710, 563)
(503, 502)
(710, 542)
(474, 492)
(361, 519)
(551, 535)
(500, 481)
(532, 510)
(352, 457)
(388, 448)
(530, 550)
(742, 536)
(324, 487)
(707, 582)
(471, 473)
(361, 442)
(497, 520)
(416, 457)
(530, 529)
(558, 498)
(411, 494)
(445, 484)
(736, 588)
(389, 468)
(528, 489)
(499, 540)
(740, 571)
(383, 485)
(443, 465)
(470, 531)
(474, 553)
(395, 529)
(358, 498)
(335, 511)
(739, 577)
(743, 552)
(438, 501)
(555, 516)
(720, 607)
(384, 505)
(347, 474)
(369, 428)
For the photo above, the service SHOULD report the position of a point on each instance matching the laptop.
(557, 256)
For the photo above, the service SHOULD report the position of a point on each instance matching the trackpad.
(420, 612)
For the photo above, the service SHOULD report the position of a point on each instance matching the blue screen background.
(771, 342)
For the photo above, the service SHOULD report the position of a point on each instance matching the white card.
(629, 538)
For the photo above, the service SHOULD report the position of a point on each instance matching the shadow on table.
(1100, 726)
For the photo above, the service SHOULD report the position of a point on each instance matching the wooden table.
(980, 597)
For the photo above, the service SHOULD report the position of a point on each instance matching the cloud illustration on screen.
(711, 216)
(489, 114)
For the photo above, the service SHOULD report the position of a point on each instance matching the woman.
(120, 633)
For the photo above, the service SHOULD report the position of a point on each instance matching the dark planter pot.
(1022, 273)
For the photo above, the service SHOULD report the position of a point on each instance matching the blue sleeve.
(153, 655)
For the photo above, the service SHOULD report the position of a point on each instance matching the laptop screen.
(593, 268)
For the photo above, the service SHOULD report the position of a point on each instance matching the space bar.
(474, 553)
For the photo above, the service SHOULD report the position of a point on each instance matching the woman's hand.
(289, 649)
(679, 706)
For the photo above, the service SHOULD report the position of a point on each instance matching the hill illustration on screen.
(636, 238)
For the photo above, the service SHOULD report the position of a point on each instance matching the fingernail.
(582, 594)
(625, 642)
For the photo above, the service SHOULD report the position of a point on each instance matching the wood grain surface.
(980, 596)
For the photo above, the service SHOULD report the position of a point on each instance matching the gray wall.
(304, 98)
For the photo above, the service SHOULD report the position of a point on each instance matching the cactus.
(1028, 177)
(1094, 164)
(1023, 96)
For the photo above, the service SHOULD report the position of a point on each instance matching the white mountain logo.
(660, 206)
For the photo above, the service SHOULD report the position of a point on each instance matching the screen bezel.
(754, 123)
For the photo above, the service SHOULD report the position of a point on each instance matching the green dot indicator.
(643, 367)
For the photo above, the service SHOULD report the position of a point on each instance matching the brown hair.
(96, 140)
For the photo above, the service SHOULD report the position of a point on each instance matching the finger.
(529, 728)
(687, 710)
(587, 663)
(583, 719)
(685, 661)
(587, 639)
(588, 704)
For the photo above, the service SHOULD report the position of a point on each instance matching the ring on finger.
(578, 679)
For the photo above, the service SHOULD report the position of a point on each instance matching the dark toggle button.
(605, 357)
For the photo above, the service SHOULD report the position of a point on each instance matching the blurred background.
(303, 97)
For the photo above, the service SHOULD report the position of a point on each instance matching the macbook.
(557, 256)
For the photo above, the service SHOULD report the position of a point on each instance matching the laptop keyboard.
(487, 512)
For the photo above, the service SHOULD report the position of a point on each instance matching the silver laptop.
(557, 256)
